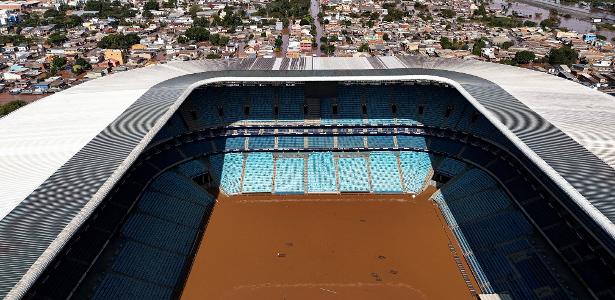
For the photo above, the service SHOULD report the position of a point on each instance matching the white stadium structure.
(548, 143)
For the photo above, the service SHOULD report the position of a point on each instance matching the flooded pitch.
(326, 247)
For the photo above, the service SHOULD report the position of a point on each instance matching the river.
(580, 19)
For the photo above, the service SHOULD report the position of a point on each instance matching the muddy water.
(325, 247)
(577, 23)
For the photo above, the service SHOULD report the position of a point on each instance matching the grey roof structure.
(61, 155)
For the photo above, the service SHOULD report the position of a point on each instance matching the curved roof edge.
(76, 186)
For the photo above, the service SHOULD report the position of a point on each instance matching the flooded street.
(580, 20)
(314, 9)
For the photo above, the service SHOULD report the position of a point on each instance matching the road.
(314, 10)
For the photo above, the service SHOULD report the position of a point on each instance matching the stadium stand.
(415, 168)
(343, 153)
(258, 173)
(321, 173)
(353, 174)
(385, 172)
(289, 175)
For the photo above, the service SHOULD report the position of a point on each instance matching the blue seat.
(258, 176)
(353, 174)
(289, 175)
(385, 172)
(321, 173)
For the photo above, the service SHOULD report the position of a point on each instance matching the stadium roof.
(62, 154)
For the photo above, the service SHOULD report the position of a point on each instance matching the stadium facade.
(66, 156)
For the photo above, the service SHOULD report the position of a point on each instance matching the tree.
(201, 22)
(56, 38)
(218, 39)
(147, 14)
(278, 43)
(197, 33)
(524, 57)
(51, 13)
(506, 45)
(364, 47)
(194, 9)
(118, 41)
(57, 64)
(151, 5)
(481, 11)
(169, 4)
(447, 13)
(385, 37)
(213, 56)
(304, 22)
(478, 45)
(182, 39)
(528, 23)
(551, 22)
(564, 55)
(10, 107)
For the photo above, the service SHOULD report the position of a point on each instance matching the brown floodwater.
(326, 247)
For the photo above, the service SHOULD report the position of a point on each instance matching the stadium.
(312, 178)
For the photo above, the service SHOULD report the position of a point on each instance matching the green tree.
(196, 33)
(528, 23)
(182, 39)
(118, 41)
(478, 45)
(364, 47)
(194, 9)
(51, 13)
(201, 22)
(563, 55)
(10, 107)
(447, 13)
(506, 45)
(524, 57)
(56, 38)
(58, 63)
(213, 56)
(151, 5)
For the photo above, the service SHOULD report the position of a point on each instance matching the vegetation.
(58, 63)
(393, 14)
(364, 47)
(14, 39)
(286, 9)
(506, 45)
(118, 41)
(528, 23)
(197, 33)
(56, 38)
(114, 9)
(478, 45)
(563, 56)
(524, 57)
(151, 5)
(447, 13)
(7, 108)
(80, 66)
(506, 22)
(446, 43)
